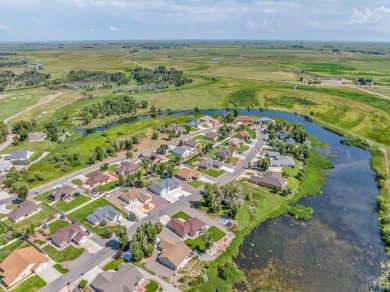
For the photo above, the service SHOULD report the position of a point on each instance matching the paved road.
(106, 252)
(6, 143)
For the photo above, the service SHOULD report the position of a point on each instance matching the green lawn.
(212, 172)
(43, 197)
(67, 206)
(60, 269)
(113, 264)
(181, 215)
(53, 226)
(108, 187)
(233, 160)
(171, 156)
(32, 284)
(199, 137)
(151, 287)
(252, 133)
(5, 251)
(242, 148)
(46, 214)
(77, 182)
(198, 243)
(195, 183)
(112, 168)
(69, 253)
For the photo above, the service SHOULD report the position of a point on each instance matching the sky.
(52, 20)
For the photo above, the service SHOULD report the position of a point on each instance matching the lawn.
(108, 187)
(181, 215)
(113, 264)
(45, 215)
(151, 287)
(199, 137)
(252, 133)
(198, 243)
(60, 269)
(69, 253)
(233, 160)
(195, 183)
(212, 172)
(171, 156)
(77, 182)
(242, 148)
(6, 250)
(53, 226)
(43, 197)
(32, 284)
(67, 206)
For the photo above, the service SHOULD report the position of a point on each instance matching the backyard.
(67, 206)
(69, 253)
(198, 243)
(32, 284)
(53, 226)
(7, 250)
(212, 172)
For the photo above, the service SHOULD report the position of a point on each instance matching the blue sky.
(44, 20)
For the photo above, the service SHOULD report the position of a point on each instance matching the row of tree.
(160, 75)
(26, 78)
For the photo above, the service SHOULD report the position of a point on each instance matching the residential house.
(283, 161)
(155, 158)
(191, 143)
(264, 121)
(270, 180)
(194, 124)
(174, 255)
(97, 179)
(272, 154)
(126, 167)
(225, 153)
(181, 152)
(127, 278)
(244, 119)
(64, 193)
(164, 186)
(18, 155)
(101, 215)
(235, 142)
(189, 227)
(20, 264)
(174, 129)
(209, 120)
(291, 141)
(133, 196)
(36, 136)
(209, 163)
(211, 136)
(25, 209)
(5, 166)
(282, 136)
(243, 134)
(188, 174)
(63, 236)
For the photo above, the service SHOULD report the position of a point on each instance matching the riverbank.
(223, 273)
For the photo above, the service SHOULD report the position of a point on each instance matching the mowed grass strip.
(60, 269)
(113, 264)
(69, 253)
(32, 284)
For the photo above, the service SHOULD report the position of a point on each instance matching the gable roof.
(235, 141)
(36, 136)
(23, 209)
(189, 227)
(125, 279)
(63, 192)
(165, 184)
(208, 119)
(73, 231)
(210, 163)
(243, 133)
(96, 178)
(134, 194)
(244, 119)
(174, 128)
(211, 135)
(126, 167)
(180, 150)
(270, 178)
(283, 160)
(18, 261)
(100, 214)
(191, 143)
(16, 155)
(176, 253)
(187, 173)
(223, 153)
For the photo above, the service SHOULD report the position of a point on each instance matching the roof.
(235, 141)
(166, 243)
(23, 154)
(73, 231)
(211, 135)
(96, 178)
(23, 209)
(271, 154)
(208, 119)
(36, 136)
(134, 194)
(174, 127)
(264, 120)
(193, 124)
(225, 153)
(243, 133)
(100, 214)
(18, 261)
(179, 150)
(270, 178)
(187, 173)
(125, 279)
(63, 192)
(244, 119)
(209, 163)
(283, 160)
(191, 143)
(4, 166)
(189, 227)
(282, 136)
(126, 167)
(176, 253)
(165, 184)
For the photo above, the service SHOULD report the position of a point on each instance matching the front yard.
(181, 215)
(60, 269)
(67, 206)
(195, 183)
(113, 264)
(69, 253)
(211, 172)
(43, 197)
(151, 287)
(198, 243)
(32, 284)
(108, 187)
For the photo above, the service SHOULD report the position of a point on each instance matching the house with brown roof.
(64, 193)
(189, 227)
(63, 236)
(243, 134)
(188, 174)
(191, 143)
(209, 163)
(225, 153)
(135, 195)
(25, 210)
(155, 158)
(174, 255)
(244, 119)
(212, 136)
(127, 278)
(175, 129)
(270, 180)
(235, 142)
(97, 179)
(126, 167)
(209, 120)
(20, 264)
(36, 136)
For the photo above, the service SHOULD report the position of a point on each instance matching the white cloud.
(4, 27)
(367, 16)
(313, 23)
(113, 28)
(250, 24)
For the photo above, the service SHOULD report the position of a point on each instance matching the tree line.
(26, 78)
(160, 75)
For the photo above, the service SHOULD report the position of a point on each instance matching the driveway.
(134, 208)
(227, 169)
(175, 195)
(48, 273)
(91, 246)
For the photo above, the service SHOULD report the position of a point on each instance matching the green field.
(212, 172)
(67, 206)
(67, 254)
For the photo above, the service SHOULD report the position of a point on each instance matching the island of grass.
(113, 265)
(69, 253)
(212, 172)
(195, 183)
(60, 269)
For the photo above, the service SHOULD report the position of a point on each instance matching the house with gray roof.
(18, 155)
(127, 279)
(5, 166)
(175, 129)
(36, 136)
(225, 153)
(181, 152)
(212, 136)
(282, 136)
(25, 210)
(264, 121)
(64, 193)
(291, 141)
(191, 143)
(194, 124)
(269, 179)
(126, 167)
(209, 163)
(101, 215)
(164, 186)
(283, 161)
(272, 154)
(73, 232)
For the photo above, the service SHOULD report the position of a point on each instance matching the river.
(338, 249)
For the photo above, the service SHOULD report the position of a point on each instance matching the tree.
(133, 217)
(144, 103)
(155, 135)
(207, 238)
(20, 189)
(137, 251)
